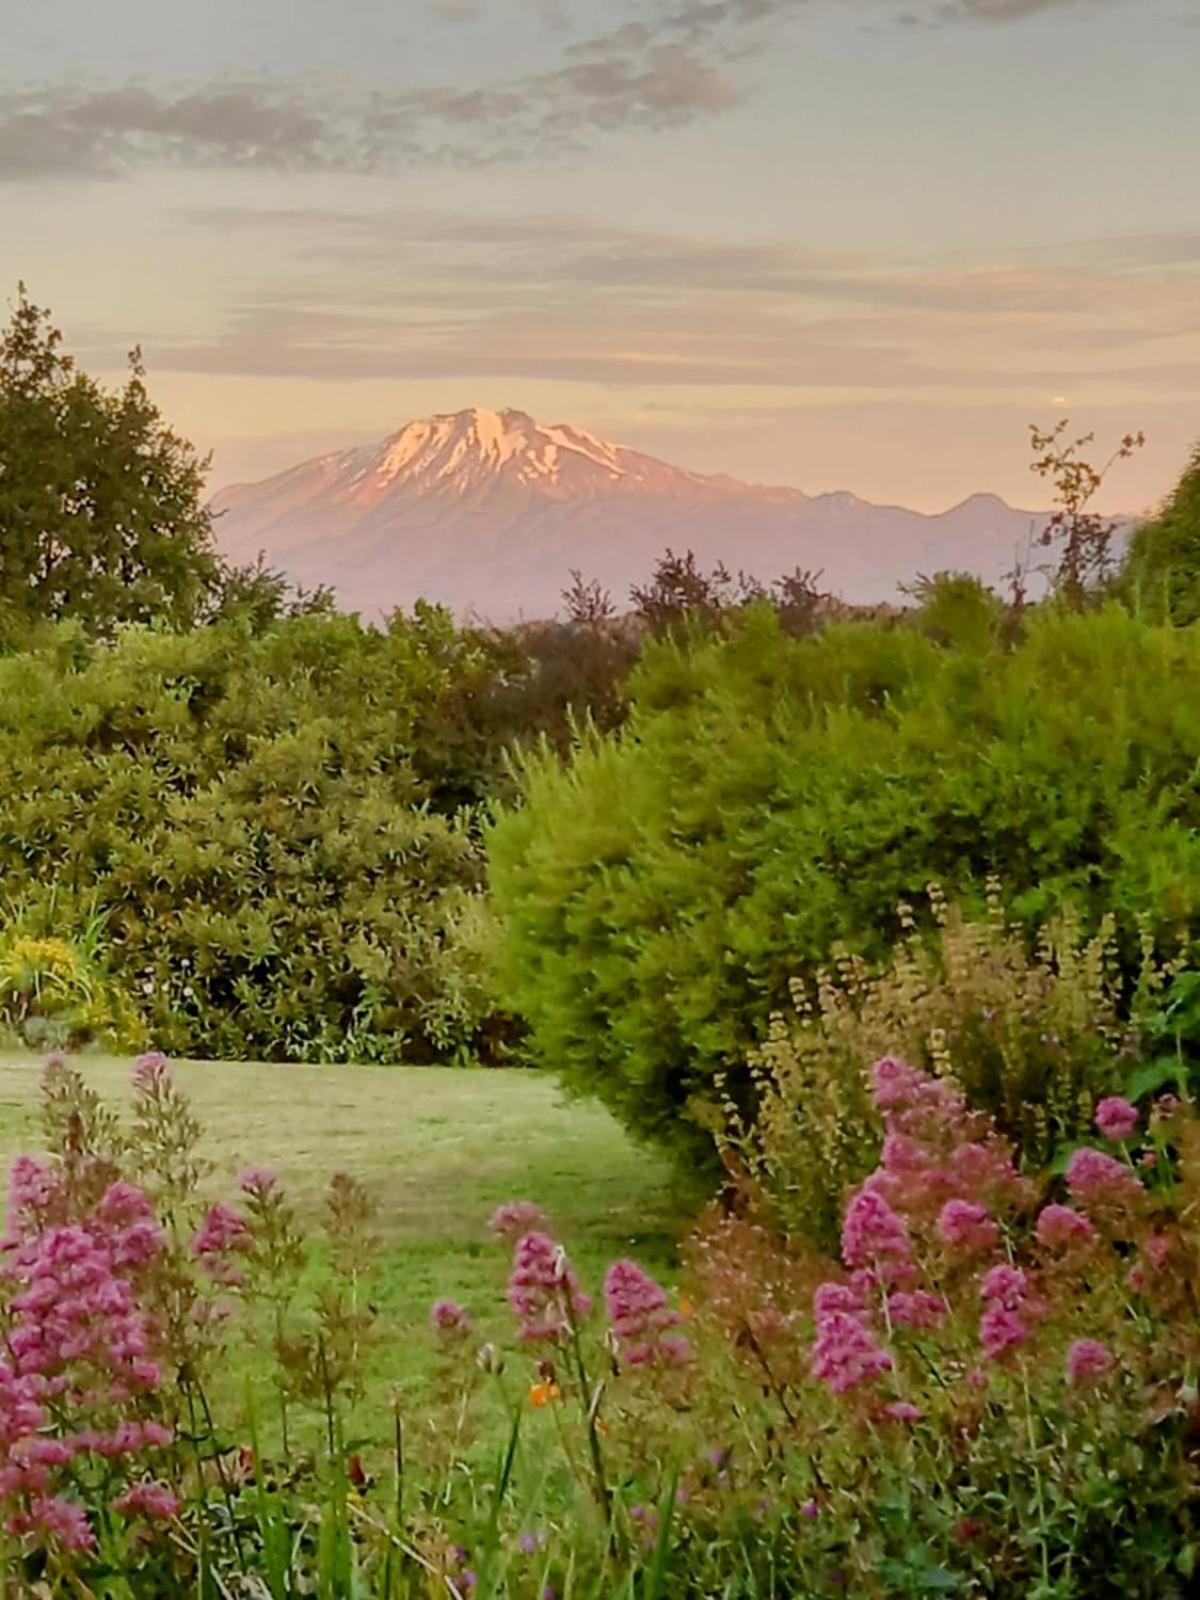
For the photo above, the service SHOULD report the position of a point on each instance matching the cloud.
(573, 299)
(675, 62)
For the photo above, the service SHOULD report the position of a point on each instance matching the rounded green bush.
(770, 797)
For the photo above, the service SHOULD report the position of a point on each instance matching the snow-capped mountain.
(488, 512)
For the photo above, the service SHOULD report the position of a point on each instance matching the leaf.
(1156, 1075)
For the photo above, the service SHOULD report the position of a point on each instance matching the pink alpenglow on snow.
(845, 1353)
(515, 1218)
(642, 1317)
(1116, 1118)
(543, 1291)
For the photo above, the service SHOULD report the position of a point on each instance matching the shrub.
(270, 825)
(771, 797)
(1162, 570)
(1034, 1038)
(55, 994)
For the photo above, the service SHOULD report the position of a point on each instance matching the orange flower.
(540, 1394)
(686, 1309)
(601, 1428)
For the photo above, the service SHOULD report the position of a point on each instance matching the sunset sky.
(831, 243)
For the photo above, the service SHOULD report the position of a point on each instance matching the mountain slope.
(489, 512)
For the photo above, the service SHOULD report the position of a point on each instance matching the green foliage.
(1162, 571)
(101, 512)
(770, 797)
(54, 993)
(271, 824)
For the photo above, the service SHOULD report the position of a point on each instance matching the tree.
(1162, 572)
(101, 510)
(1083, 537)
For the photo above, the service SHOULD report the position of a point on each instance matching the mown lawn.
(438, 1148)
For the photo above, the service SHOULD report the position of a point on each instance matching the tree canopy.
(102, 515)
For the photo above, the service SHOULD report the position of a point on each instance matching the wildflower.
(641, 1315)
(915, 1308)
(1156, 1249)
(966, 1225)
(810, 1510)
(1116, 1118)
(543, 1291)
(1099, 1179)
(1088, 1361)
(831, 1297)
(901, 1411)
(965, 1530)
(845, 1354)
(686, 1309)
(896, 1083)
(150, 1499)
(515, 1218)
(541, 1394)
(1006, 1286)
(872, 1231)
(1062, 1225)
(449, 1318)
(1000, 1330)
(258, 1181)
(530, 1543)
(63, 1522)
(149, 1070)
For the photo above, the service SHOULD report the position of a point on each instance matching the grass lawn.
(438, 1148)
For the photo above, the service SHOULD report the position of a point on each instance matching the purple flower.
(543, 1291)
(1116, 1118)
(641, 1316)
(448, 1317)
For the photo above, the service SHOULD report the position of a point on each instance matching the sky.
(835, 244)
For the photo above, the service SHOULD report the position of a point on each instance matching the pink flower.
(845, 1354)
(915, 1308)
(1062, 1225)
(63, 1522)
(1088, 1361)
(831, 1297)
(515, 1218)
(221, 1229)
(257, 1180)
(965, 1225)
(150, 1499)
(543, 1291)
(1116, 1118)
(1006, 1286)
(896, 1083)
(872, 1231)
(149, 1070)
(901, 1411)
(448, 1317)
(1000, 1330)
(641, 1316)
(1099, 1179)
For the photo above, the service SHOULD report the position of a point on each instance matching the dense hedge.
(274, 828)
(1162, 572)
(770, 796)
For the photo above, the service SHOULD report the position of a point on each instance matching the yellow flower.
(541, 1394)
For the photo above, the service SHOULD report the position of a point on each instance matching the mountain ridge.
(489, 512)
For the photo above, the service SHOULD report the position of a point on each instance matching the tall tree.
(102, 515)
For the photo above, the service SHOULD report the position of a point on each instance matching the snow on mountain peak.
(474, 445)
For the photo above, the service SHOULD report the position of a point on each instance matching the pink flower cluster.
(516, 1218)
(222, 1234)
(642, 1317)
(543, 1290)
(945, 1185)
(449, 1319)
(79, 1351)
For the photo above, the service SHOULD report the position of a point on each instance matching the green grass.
(438, 1149)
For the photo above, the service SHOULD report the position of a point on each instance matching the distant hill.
(488, 512)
